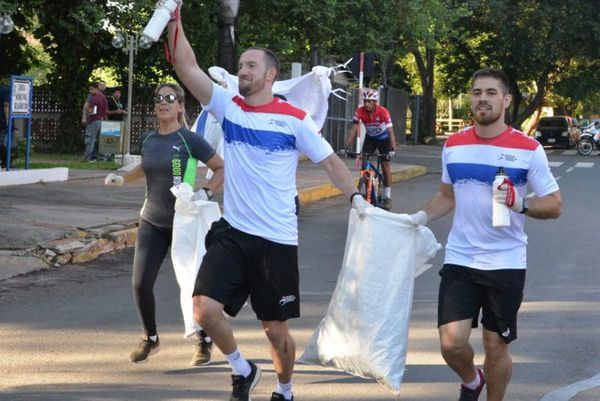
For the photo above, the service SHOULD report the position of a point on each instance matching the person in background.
(4, 103)
(484, 266)
(379, 137)
(116, 111)
(96, 108)
(166, 154)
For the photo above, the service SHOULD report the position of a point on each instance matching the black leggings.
(151, 247)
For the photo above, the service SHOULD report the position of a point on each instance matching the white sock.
(239, 365)
(387, 192)
(284, 389)
(153, 338)
(475, 383)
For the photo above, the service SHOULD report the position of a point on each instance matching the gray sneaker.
(144, 349)
(202, 350)
(387, 204)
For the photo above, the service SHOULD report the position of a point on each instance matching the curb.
(84, 245)
(328, 190)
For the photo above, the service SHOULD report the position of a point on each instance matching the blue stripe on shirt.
(271, 141)
(483, 173)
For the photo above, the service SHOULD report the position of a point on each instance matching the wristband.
(353, 195)
(525, 206)
(209, 193)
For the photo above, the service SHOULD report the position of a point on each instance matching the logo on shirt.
(279, 123)
(176, 167)
(177, 148)
(286, 299)
(507, 157)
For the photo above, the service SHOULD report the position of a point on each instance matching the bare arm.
(186, 67)
(441, 203)
(392, 138)
(351, 135)
(545, 207)
(134, 174)
(339, 174)
(216, 164)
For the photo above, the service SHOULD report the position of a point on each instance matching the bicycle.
(370, 182)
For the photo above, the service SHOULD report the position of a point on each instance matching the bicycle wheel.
(378, 191)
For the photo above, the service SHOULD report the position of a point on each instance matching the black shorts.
(498, 293)
(384, 147)
(237, 265)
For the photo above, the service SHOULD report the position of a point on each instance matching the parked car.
(557, 131)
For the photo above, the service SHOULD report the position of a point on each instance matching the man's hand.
(114, 180)
(505, 193)
(200, 195)
(360, 204)
(419, 218)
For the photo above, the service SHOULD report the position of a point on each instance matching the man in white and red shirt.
(379, 136)
(253, 250)
(484, 267)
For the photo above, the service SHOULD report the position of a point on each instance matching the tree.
(226, 57)
(533, 41)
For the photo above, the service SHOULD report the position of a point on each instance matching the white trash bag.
(365, 330)
(191, 223)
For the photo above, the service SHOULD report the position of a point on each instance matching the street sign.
(21, 94)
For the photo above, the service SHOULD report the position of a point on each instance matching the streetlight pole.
(131, 42)
(6, 24)
(132, 48)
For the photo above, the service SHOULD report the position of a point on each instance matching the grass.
(50, 160)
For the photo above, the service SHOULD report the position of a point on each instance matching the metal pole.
(361, 73)
(131, 47)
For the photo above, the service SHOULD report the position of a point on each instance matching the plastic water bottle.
(500, 212)
(159, 20)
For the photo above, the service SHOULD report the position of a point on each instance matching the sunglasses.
(170, 98)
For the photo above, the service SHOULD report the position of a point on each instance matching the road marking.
(555, 164)
(570, 169)
(569, 152)
(584, 165)
(570, 391)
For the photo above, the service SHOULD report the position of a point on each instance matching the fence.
(47, 111)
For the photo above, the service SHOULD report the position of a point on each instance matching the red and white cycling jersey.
(376, 123)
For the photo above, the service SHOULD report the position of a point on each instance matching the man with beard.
(253, 250)
(484, 266)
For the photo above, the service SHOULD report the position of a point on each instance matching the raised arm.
(186, 67)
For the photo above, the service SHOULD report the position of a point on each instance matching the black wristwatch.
(209, 193)
(525, 206)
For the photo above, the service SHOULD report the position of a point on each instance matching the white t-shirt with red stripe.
(262, 147)
(377, 123)
(469, 164)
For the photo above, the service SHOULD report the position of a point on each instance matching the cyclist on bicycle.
(379, 136)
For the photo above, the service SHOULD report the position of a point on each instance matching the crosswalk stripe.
(584, 165)
(555, 164)
(569, 152)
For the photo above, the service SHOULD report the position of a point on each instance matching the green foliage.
(427, 46)
(533, 41)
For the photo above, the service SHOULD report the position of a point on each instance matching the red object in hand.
(510, 193)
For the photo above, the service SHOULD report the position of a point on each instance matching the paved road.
(65, 334)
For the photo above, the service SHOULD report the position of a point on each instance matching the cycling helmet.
(370, 94)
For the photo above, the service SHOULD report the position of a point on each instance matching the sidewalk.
(47, 225)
